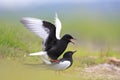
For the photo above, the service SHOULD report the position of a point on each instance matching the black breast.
(57, 49)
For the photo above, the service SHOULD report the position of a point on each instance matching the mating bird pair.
(53, 45)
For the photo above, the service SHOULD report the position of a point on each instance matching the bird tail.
(43, 56)
(46, 61)
(38, 53)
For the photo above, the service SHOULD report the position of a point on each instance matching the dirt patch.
(108, 71)
(114, 61)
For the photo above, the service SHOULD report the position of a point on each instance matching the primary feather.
(36, 26)
(42, 30)
(58, 26)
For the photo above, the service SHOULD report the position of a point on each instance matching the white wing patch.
(36, 26)
(58, 26)
(60, 66)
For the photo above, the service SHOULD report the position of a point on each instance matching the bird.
(63, 64)
(53, 45)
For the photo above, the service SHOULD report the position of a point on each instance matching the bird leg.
(56, 61)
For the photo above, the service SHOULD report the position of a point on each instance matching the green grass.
(13, 70)
(16, 42)
(14, 37)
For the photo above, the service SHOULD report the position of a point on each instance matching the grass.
(16, 42)
(13, 39)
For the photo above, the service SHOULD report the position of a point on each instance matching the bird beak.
(74, 51)
(72, 41)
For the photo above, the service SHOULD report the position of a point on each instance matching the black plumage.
(53, 46)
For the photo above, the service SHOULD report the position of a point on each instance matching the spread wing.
(58, 26)
(43, 29)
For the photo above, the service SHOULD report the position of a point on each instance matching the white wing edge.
(58, 26)
(38, 53)
(36, 26)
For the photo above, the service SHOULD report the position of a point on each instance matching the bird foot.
(56, 61)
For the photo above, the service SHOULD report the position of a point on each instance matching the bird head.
(69, 54)
(68, 38)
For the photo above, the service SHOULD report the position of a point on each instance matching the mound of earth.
(108, 71)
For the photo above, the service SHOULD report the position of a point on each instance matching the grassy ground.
(16, 42)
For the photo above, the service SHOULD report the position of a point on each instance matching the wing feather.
(43, 29)
(58, 26)
(36, 26)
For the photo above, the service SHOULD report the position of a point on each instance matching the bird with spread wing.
(53, 45)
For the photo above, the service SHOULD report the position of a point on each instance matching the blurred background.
(95, 23)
